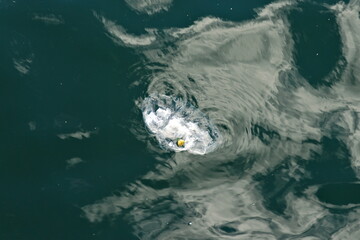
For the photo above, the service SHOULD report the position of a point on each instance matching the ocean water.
(95, 94)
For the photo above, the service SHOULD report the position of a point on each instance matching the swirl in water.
(170, 119)
(274, 133)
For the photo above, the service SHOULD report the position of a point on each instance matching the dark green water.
(279, 84)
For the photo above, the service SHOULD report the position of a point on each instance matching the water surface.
(94, 95)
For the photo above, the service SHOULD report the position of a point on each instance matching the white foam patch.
(200, 25)
(170, 119)
(121, 37)
(271, 9)
(73, 161)
(23, 64)
(23, 56)
(149, 7)
(50, 19)
(77, 135)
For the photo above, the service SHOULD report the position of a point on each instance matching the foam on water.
(171, 119)
(119, 35)
(149, 7)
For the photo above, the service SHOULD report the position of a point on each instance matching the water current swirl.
(250, 121)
